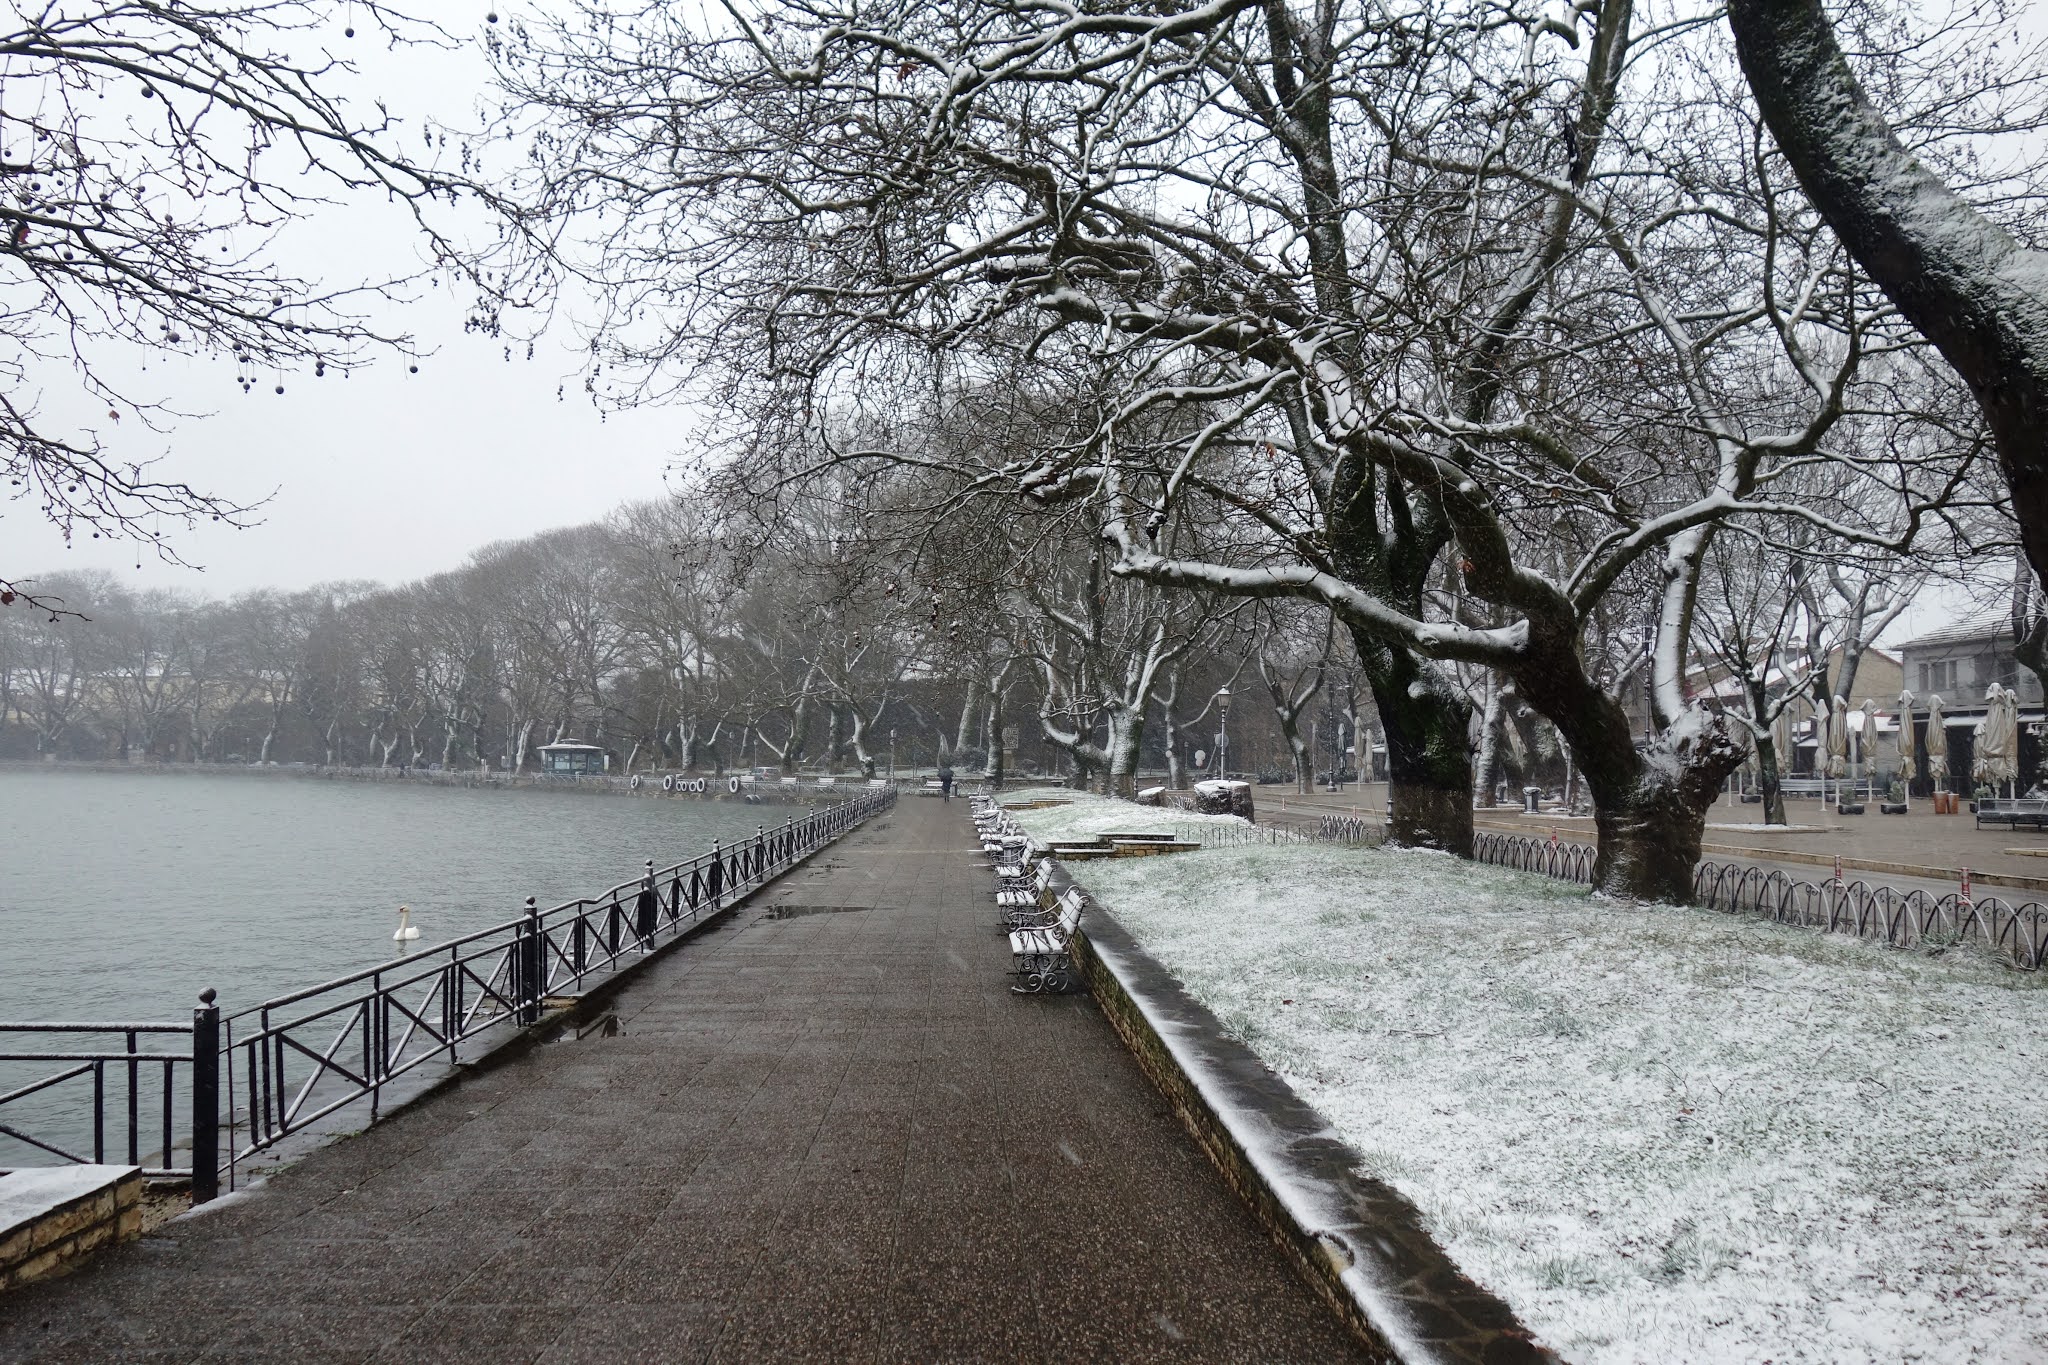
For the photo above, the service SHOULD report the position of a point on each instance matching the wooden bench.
(2013, 812)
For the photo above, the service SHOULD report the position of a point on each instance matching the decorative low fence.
(2018, 933)
(1903, 919)
(1551, 857)
(257, 1075)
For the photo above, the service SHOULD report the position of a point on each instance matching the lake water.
(122, 895)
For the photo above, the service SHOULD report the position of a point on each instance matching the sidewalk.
(825, 1131)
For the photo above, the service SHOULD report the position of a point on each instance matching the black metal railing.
(138, 1088)
(260, 1074)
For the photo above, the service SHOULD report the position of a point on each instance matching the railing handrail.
(64, 1027)
(514, 925)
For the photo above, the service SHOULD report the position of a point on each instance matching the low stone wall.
(1359, 1242)
(53, 1219)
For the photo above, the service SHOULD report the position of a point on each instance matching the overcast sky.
(388, 475)
(384, 475)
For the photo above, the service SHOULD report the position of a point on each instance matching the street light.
(1223, 732)
(892, 753)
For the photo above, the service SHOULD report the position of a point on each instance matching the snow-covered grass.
(1661, 1134)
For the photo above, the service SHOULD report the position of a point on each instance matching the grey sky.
(384, 475)
(389, 475)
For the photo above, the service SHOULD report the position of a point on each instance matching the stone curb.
(1360, 1243)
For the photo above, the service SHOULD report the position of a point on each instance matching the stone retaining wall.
(52, 1219)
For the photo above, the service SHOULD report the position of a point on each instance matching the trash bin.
(1530, 796)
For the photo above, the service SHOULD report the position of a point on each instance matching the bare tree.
(1477, 334)
(1292, 664)
(149, 154)
(1957, 274)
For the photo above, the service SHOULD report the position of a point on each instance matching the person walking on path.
(946, 783)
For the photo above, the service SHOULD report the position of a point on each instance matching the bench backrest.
(1044, 873)
(1070, 909)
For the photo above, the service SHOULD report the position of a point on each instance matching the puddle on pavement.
(798, 911)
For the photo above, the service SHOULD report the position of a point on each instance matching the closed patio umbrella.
(1937, 743)
(1837, 742)
(1781, 739)
(1996, 760)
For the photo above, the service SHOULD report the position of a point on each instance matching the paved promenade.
(825, 1132)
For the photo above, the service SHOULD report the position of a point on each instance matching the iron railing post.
(647, 909)
(529, 959)
(205, 1099)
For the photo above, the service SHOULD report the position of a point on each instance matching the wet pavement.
(824, 1131)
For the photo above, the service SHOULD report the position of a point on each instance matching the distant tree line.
(675, 640)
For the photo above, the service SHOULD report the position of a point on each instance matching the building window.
(1938, 677)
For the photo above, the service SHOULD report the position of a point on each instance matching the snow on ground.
(1082, 816)
(1661, 1134)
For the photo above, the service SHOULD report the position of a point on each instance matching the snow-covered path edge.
(1359, 1241)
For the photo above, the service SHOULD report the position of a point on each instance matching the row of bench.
(1040, 924)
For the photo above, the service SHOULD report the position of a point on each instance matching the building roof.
(1989, 627)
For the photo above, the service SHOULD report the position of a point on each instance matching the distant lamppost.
(1223, 732)
(892, 753)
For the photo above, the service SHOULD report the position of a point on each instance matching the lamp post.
(1223, 732)
(892, 753)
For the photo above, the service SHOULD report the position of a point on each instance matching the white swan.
(407, 930)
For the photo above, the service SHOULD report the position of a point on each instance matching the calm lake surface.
(123, 894)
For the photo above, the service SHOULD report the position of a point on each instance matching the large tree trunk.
(1429, 767)
(1772, 780)
(996, 767)
(835, 737)
(1769, 775)
(1126, 735)
(1650, 806)
(963, 736)
(1650, 802)
(1649, 842)
(1957, 276)
(1489, 743)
